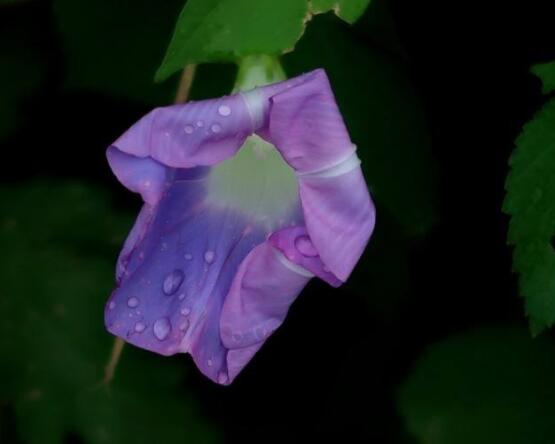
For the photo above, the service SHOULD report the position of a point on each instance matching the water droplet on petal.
(305, 246)
(216, 128)
(224, 110)
(209, 256)
(188, 257)
(185, 311)
(132, 302)
(182, 296)
(184, 325)
(189, 129)
(112, 305)
(222, 378)
(162, 328)
(237, 337)
(326, 269)
(172, 282)
(140, 327)
(200, 123)
(210, 363)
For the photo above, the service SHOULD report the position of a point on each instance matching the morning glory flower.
(246, 198)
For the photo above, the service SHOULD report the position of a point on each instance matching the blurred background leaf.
(530, 202)
(59, 241)
(490, 385)
(348, 10)
(546, 72)
(226, 30)
(220, 30)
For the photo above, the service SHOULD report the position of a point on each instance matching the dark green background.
(428, 341)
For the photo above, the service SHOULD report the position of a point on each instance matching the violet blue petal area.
(234, 226)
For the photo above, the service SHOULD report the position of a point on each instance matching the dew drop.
(210, 363)
(162, 328)
(188, 257)
(112, 305)
(305, 246)
(184, 325)
(132, 302)
(216, 128)
(185, 311)
(237, 337)
(200, 123)
(172, 282)
(140, 327)
(224, 110)
(209, 256)
(222, 378)
(182, 296)
(189, 129)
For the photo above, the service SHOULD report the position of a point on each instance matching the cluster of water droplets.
(170, 286)
(223, 111)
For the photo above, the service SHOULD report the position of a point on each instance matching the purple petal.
(265, 285)
(305, 125)
(190, 135)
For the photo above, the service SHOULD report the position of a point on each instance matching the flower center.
(256, 181)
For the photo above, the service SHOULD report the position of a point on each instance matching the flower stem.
(185, 84)
(258, 71)
(115, 355)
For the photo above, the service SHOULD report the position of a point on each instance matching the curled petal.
(304, 123)
(195, 134)
(265, 286)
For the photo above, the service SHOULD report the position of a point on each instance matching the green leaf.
(384, 116)
(226, 30)
(491, 385)
(530, 201)
(348, 10)
(59, 242)
(546, 72)
(115, 47)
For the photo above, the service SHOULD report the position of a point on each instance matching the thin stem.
(115, 355)
(185, 83)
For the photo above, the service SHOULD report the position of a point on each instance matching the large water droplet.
(162, 328)
(172, 282)
(189, 129)
(185, 311)
(209, 256)
(140, 327)
(216, 128)
(132, 302)
(224, 110)
(305, 246)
